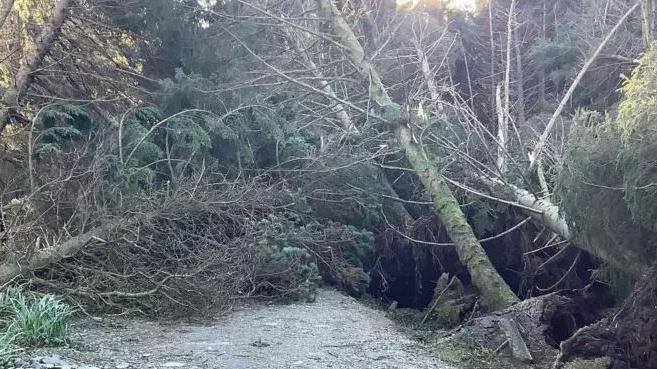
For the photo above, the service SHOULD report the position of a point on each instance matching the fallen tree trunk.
(547, 213)
(11, 269)
(496, 294)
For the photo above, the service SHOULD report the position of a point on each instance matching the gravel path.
(334, 332)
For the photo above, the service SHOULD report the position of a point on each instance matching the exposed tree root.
(630, 335)
(542, 322)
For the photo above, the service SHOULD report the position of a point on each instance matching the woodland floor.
(336, 331)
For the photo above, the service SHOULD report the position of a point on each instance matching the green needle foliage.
(607, 182)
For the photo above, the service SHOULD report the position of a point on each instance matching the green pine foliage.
(607, 183)
(314, 252)
(636, 121)
(58, 128)
(244, 131)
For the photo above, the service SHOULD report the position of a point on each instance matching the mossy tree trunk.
(495, 293)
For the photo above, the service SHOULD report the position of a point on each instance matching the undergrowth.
(31, 320)
(7, 350)
(465, 352)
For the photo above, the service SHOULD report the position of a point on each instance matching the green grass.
(7, 350)
(43, 321)
(31, 320)
(7, 296)
(7, 339)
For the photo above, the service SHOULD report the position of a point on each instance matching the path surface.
(334, 332)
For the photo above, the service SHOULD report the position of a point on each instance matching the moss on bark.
(495, 293)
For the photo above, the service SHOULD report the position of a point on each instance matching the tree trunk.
(520, 85)
(504, 118)
(548, 214)
(32, 62)
(495, 293)
(491, 36)
(11, 269)
(428, 75)
(541, 69)
(4, 13)
(648, 21)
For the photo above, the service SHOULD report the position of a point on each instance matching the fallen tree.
(495, 293)
(11, 269)
(182, 255)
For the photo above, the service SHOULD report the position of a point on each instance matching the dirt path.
(334, 332)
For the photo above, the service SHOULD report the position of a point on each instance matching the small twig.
(572, 266)
(500, 347)
(435, 304)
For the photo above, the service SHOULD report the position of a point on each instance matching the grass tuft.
(43, 321)
(7, 350)
(31, 320)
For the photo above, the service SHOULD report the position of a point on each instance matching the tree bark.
(33, 61)
(648, 21)
(545, 212)
(541, 69)
(495, 293)
(11, 269)
(6, 10)
(549, 214)
(491, 35)
(520, 84)
(425, 68)
(505, 116)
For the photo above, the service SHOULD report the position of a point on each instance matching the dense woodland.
(172, 157)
